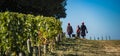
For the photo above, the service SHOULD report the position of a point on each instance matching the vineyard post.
(44, 46)
(39, 50)
(29, 46)
(20, 54)
(61, 36)
(34, 51)
(39, 44)
(56, 38)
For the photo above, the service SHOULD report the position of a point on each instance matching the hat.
(82, 22)
(68, 23)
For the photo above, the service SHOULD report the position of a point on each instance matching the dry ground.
(80, 47)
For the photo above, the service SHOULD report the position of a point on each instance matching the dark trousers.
(78, 34)
(69, 35)
(83, 36)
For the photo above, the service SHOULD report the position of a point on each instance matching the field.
(82, 47)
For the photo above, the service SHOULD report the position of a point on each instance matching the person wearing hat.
(83, 30)
(69, 30)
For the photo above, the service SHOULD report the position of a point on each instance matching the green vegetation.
(16, 28)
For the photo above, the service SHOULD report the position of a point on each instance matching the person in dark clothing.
(78, 31)
(69, 30)
(83, 30)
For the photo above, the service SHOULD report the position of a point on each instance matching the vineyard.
(28, 35)
(19, 33)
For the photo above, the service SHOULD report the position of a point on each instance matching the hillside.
(80, 47)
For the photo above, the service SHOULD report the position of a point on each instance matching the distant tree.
(94, 38)
(102, 38)
(106, 38)
(90, 38)
(98, 38)
(54, 8)
(109, 38)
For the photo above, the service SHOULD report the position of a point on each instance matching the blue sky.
(102, 17)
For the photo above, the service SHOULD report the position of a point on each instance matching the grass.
(80, 47)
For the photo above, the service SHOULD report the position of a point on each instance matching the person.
(69, 30)
(83, 30)
(78, 31)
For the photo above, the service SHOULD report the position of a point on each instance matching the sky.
(102, 17)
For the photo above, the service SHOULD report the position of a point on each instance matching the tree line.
(49, 8)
